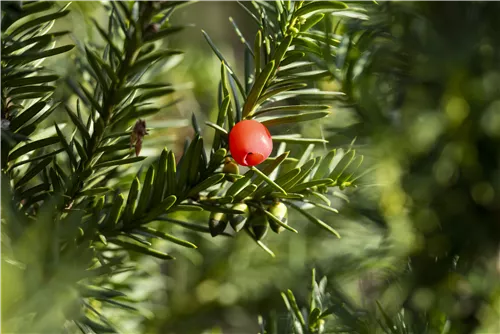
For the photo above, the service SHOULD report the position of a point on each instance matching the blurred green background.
(421, 231)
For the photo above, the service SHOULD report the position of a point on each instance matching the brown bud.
(137, 135)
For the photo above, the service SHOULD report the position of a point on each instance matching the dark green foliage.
(268, 85)
(65, 179)
(418, 80)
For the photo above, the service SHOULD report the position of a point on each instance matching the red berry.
(250, 143)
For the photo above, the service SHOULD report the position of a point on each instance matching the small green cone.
(230, 168)
(280, 211)
(217, 223)
(238, 221)
(259, 225)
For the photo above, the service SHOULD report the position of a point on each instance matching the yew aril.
(250, 143)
